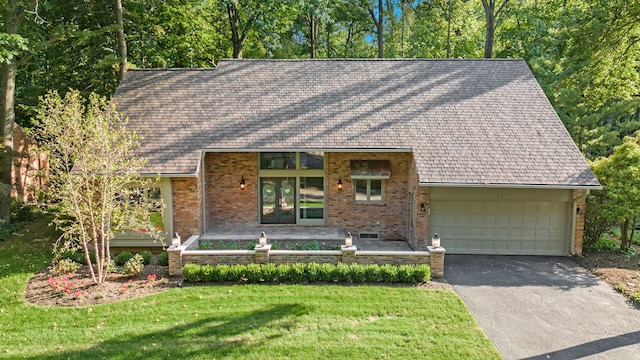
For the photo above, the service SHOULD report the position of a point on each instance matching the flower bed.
(236, 244)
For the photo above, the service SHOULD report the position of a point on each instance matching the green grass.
(233, 322)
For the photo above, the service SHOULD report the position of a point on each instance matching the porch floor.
(300, 233)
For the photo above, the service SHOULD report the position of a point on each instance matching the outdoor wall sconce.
(578, 210)
(348, 240)
(339, 183)
(422, 208)
(262, 240)
(242, 184)
(435, 241)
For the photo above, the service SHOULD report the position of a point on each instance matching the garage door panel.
(501, 227)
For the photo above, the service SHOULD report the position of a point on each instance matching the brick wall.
(29, 170)
(389, 219)
(186, 213)
(225, 202)
(579, 196)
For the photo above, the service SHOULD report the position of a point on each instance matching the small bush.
(222, 272)
(389, 273)
(191, 272)
(327, 272)
(205, 245)
(343, 272)
(163, 259)
(207, 273)
(312, 272)
(133, 266)
(252, 245)
(357, 273)
(297, 273)
(269, 272)
(253, 273)
(64, 266)
(372, 273)
(83, 260)
(406, 274)
(123, 258)
(422, 273)
(283, 273)
(146, 257)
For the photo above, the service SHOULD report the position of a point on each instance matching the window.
(368, 191)
(277, 161)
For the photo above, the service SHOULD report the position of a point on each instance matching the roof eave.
(515, 186)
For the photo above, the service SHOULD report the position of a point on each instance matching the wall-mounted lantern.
(578, 210)
(422, 207)
(242, 184)
(340, 184)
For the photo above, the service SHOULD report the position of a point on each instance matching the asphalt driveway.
(535, 307)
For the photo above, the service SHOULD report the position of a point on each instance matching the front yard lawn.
(244, 321)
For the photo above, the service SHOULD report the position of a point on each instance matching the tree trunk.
(237, 39)
(624, 234)
(491, 17)
(380, 31)
(12, 18)
(449, 29)
(313, 28)
(121, 41)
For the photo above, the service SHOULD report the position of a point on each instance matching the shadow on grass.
(210, 337)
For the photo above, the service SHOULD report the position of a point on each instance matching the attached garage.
(502, 221)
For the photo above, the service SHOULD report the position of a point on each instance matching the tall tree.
(491, 14)
(378, 22)
(120, 39)
(14, 13)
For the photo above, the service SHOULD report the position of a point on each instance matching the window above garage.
(370, 169)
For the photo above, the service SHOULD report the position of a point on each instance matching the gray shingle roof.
(481, 121)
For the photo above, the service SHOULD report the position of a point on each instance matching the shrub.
(205, 245)
(146, 257)
(222, 272)
(64, 266)
(83, 260)
(372, 273)
(191, 272)
(252, 245)
(389, 273)
(163, 259)
(312, 272)
(134, 266)
(283, 272)
(123, 258)
(297, 273)
(326, 272)
(253, 273)
(207, 273)
(422, 273)
(406, 274)
(343, 272)
(357, 273)
(269, 272)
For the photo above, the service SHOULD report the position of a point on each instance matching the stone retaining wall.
(186, 254)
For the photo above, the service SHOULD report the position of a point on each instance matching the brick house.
(387, 149)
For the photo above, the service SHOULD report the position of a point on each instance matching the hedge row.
(303, 273)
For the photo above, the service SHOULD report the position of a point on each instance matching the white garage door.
(501, 221)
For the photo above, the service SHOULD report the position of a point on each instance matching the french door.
(278, 200)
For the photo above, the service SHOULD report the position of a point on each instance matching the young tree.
(619, 201)
(94, 175)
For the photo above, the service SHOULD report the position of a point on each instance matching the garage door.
(501, 221)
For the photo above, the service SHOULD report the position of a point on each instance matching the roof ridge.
(372, 60)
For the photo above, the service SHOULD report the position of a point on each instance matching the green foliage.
(205, 245)
(123, 257)
(305, 272)
(64, 266)
(163, 259)
(134, 266)
(93, 166)
(146, 257)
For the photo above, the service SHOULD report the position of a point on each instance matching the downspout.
(203, 181)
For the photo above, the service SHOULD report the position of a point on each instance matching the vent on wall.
(369, 236)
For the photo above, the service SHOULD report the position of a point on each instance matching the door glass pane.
(288, 198)
(312, 160)
(268, 191)
(277, 161)
(311, 197)
(376, 191)
(361, 190)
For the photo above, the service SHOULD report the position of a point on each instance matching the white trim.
(515, 186)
